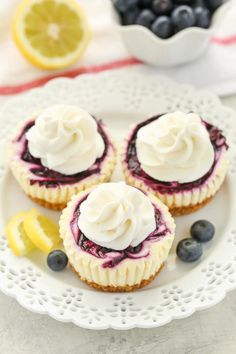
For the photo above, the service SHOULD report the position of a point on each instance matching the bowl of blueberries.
(167, 32)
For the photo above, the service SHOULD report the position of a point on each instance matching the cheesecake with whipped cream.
(60, 152)
(116, 237)
(178, 157)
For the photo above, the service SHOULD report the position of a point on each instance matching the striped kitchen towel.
(215, 70)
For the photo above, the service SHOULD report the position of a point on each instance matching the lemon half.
(51, 34)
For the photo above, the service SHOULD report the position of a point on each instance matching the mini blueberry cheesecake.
(60, 152)
(177, 157)
(116, 237)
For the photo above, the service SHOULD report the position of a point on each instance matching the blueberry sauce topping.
(111, 257)
(218, 142)
(51, 178)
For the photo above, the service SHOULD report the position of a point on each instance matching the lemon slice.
(41, 230)
(18, 240)
(51, 34)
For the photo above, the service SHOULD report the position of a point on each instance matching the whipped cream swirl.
(116, 216)
(175, 148)
(66, 139)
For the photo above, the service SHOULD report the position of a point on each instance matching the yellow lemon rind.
(32, 55)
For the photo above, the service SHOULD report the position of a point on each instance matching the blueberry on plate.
(202, 231)
(57, 260)
(189, 250)
(145, 3)
(145, 18)
(203, 17)
(129, 17)
(162, 7)
(162, 27)
(214, 4)
(124, 5)
(183, 17)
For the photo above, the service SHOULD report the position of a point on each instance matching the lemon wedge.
(41, 230)
(51, 34)
(17, 237)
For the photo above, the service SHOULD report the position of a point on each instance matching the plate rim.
(136, 71)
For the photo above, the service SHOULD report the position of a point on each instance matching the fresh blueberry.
(145, 18)
(57, 260)
(183, 2)
(214, 4)
(202, 231)
(131, 4)
(162, 7)
(162, 27)
(124, 5)
(130, 17)
(199, 3)
(203, 17)
(182, 17)
(145, 3)
(189, 250)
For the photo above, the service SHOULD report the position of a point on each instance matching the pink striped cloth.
(215, 70)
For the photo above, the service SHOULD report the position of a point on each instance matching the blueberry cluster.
(190, 249)
(166, 17)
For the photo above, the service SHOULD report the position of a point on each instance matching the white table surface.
(212, 331)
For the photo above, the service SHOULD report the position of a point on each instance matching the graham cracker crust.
(116, 289)
(48, 205)
(178, 211)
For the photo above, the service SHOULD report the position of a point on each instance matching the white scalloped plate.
(120, 98)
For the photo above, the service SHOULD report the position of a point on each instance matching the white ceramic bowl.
(183, 47)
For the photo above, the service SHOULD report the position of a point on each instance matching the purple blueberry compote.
(51, 178)
(111, 257)
(218, 142)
